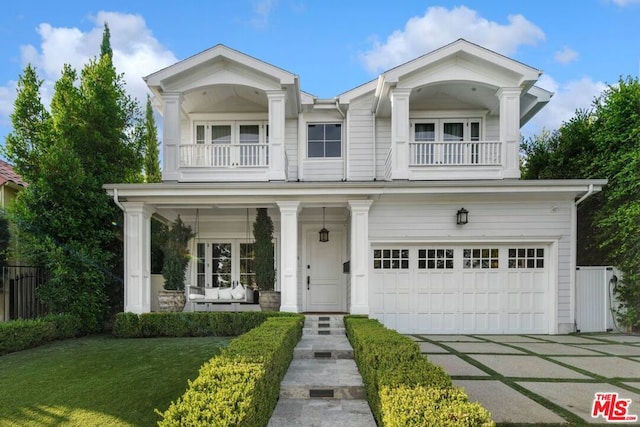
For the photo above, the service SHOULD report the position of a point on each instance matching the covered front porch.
(312, 276)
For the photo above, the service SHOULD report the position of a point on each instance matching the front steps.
(322, 386)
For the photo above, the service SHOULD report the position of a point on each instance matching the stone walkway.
(322, 387)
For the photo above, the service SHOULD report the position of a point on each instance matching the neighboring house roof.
(7, 174)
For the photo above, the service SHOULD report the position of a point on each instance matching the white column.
(277, 103)
(171, 112)
(137, 257)
(359, 256)
(400, 133)
(289, 255)
(510, 130)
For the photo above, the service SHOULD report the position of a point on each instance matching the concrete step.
(323, 379)
(322, 412)
(323, 331)
(323, 347)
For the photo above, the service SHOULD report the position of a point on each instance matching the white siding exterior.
(421, 141)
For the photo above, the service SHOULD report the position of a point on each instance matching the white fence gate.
(595, 298)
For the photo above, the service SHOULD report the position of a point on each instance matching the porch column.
(510, 130)
(289, 255)
(137, 257)
(171, 112)
(400, 133)
(359, 256)
(277, 164)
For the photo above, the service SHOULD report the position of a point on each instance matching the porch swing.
(208, 298)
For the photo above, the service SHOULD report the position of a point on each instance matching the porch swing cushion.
(225, 293)
(211, 293)
(238, 292)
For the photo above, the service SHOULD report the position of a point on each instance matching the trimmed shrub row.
(403, 387)
(181, 324)
(19, 335)
(240, 386)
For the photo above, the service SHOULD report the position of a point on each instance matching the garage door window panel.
(483, 258)
(526, 258)
(435, 259)
(391, 259)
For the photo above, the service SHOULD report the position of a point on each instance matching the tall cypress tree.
(152, 153)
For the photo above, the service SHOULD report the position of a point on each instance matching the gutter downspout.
(574, 250)
(585, 196)
(345, 170)
(116, 201)
(373, 154)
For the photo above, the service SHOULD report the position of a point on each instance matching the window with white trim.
(435, 259)
(526, 258)
(221, 263)
(236, 132)
(436, 141)
(391, 259)
(481, 258)
(324, 140)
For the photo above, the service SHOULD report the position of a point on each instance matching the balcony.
(224, 155)
(455, 153)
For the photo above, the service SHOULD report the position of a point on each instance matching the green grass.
(99, 380)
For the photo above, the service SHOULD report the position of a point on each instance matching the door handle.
(308, 281)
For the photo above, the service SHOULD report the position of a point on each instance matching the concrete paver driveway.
(544, 379)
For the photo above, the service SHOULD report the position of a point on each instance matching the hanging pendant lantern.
(324, 233)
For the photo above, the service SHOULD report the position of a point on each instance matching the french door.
(223, 263)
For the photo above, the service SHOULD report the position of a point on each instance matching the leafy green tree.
(67, 221)
(603, 142)
(30, 119)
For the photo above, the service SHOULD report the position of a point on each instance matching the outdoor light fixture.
(324, 233)
(462, 217)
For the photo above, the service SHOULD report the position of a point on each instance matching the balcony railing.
(455, 153)
(224, 155)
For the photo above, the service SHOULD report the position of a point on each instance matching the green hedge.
(240, 387)
(398, 378)
(19, 335)
(221, 324)
(430, 406)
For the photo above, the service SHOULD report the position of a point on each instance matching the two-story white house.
(414, 174)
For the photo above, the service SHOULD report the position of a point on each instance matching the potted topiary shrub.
(269, 298)
(176, 258)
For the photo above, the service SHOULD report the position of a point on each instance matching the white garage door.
(451, 289)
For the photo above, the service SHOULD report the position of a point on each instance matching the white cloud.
(136, 53)
(440, 26)
(261, 11)
(623, 3)
(568, 97)
(566, 55)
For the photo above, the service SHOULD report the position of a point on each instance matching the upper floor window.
(231, 133)
(324, 140)
(447, 142)
(455, 130)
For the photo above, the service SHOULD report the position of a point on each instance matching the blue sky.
(333, 46)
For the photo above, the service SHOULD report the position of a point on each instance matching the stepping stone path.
(322, 386)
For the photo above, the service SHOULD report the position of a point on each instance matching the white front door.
(324, 282)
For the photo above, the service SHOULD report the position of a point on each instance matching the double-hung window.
(324, 140)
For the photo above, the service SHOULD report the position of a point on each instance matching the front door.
(324, 282)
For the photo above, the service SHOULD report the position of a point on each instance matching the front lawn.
(99, 380)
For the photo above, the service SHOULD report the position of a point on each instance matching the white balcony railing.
(455, 153)
(224, 155)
